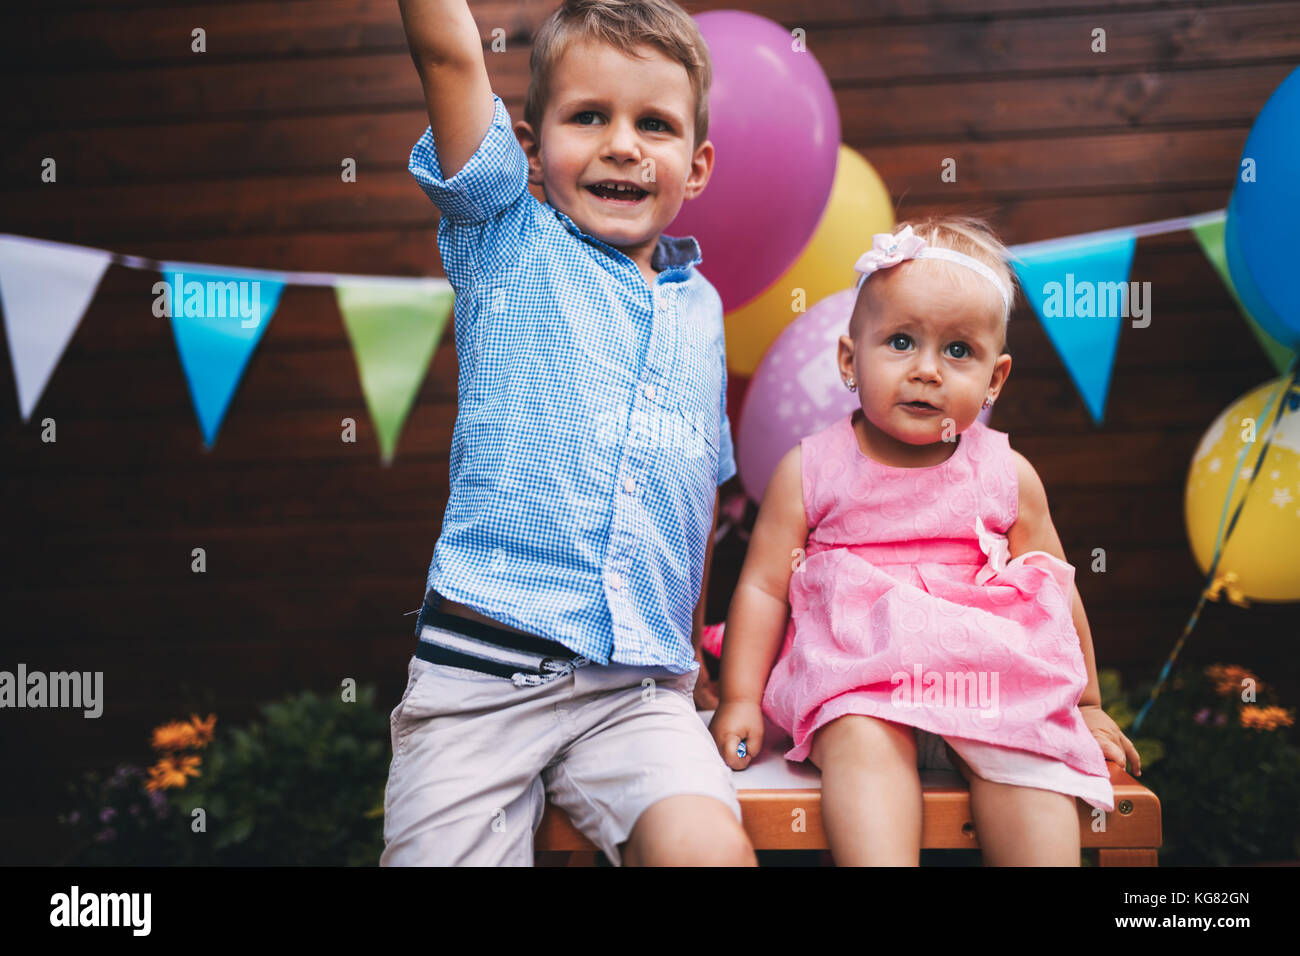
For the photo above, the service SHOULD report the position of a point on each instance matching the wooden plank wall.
(315, 550)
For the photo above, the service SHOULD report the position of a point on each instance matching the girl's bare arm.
(756, 620)
(1034, 531)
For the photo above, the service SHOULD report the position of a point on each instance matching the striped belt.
(459, 642)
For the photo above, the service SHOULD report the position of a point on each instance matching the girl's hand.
(734, 722)
(1114, 745)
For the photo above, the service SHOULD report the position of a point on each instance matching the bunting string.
(208, 268)
(1214, 583)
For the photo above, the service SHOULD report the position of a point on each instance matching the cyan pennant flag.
(1081, 293)
(217, 319)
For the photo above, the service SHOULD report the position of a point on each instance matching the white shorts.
(475, 758)
(1017, 767)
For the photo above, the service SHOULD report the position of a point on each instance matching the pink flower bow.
(997, 549)
(889, 250)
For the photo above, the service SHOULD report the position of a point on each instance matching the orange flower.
(184, 735)
(177, 735)
(202, 729)
(1229, 678)
(171, 772)
(1266, 718)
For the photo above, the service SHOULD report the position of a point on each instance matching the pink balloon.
(796, 390)
(776, 135)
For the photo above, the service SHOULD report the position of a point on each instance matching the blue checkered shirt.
(591, 431)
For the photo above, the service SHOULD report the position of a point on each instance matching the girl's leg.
(871, 791)
(1021, 826)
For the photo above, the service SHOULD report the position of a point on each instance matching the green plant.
(303, 786)
(300, 787)
(1215, 751)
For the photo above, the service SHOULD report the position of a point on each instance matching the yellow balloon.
(858, 208)
(1261, 559)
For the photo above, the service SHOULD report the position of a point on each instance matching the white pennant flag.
(44, 290)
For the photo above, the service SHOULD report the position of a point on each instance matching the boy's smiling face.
(615, 118)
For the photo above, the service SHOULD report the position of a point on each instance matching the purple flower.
(1202, 715)
(74, 817)
(1219, 720)
(107, 814)
(106, 835)
(159, 802)
(124, 772)
(135, 809)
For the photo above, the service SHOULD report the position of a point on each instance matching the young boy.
(555, 654)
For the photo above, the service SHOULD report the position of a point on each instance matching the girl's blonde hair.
(971, 236)
(625, 25)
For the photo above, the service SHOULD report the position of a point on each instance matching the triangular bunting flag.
(1209, 233)
(394, 328)
(45, 288)
(1081, 293)
(217, 319)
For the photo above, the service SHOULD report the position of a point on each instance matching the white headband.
(889, 250)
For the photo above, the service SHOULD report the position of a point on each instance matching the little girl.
(930, 605)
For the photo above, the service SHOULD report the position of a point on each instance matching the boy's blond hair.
(973, 237)
(625, 25)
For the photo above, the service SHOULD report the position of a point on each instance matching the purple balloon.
(776, 135)
(796, 391)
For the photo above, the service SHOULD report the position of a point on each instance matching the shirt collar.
(671, 252)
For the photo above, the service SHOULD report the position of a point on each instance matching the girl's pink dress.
(906, 607)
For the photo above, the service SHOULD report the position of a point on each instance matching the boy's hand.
(734, 722)
(706, 688)
(1114, 745)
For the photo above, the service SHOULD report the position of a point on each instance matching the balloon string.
(1221, 540)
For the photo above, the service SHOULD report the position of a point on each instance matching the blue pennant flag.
(1082, 295)
(217, 320)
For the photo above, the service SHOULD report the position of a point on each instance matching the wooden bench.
(775, 794)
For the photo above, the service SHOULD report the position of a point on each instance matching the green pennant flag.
(1209, 233)
(394, 326)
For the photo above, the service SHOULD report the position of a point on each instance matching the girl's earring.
(987, 403)
(852, 385)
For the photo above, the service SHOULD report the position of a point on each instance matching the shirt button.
(629, 485)
(649, 390)
(615, 580)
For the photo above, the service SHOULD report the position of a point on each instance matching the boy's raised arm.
(448, 54)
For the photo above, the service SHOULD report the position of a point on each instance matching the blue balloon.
(1251, 298)
(1259, 235)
